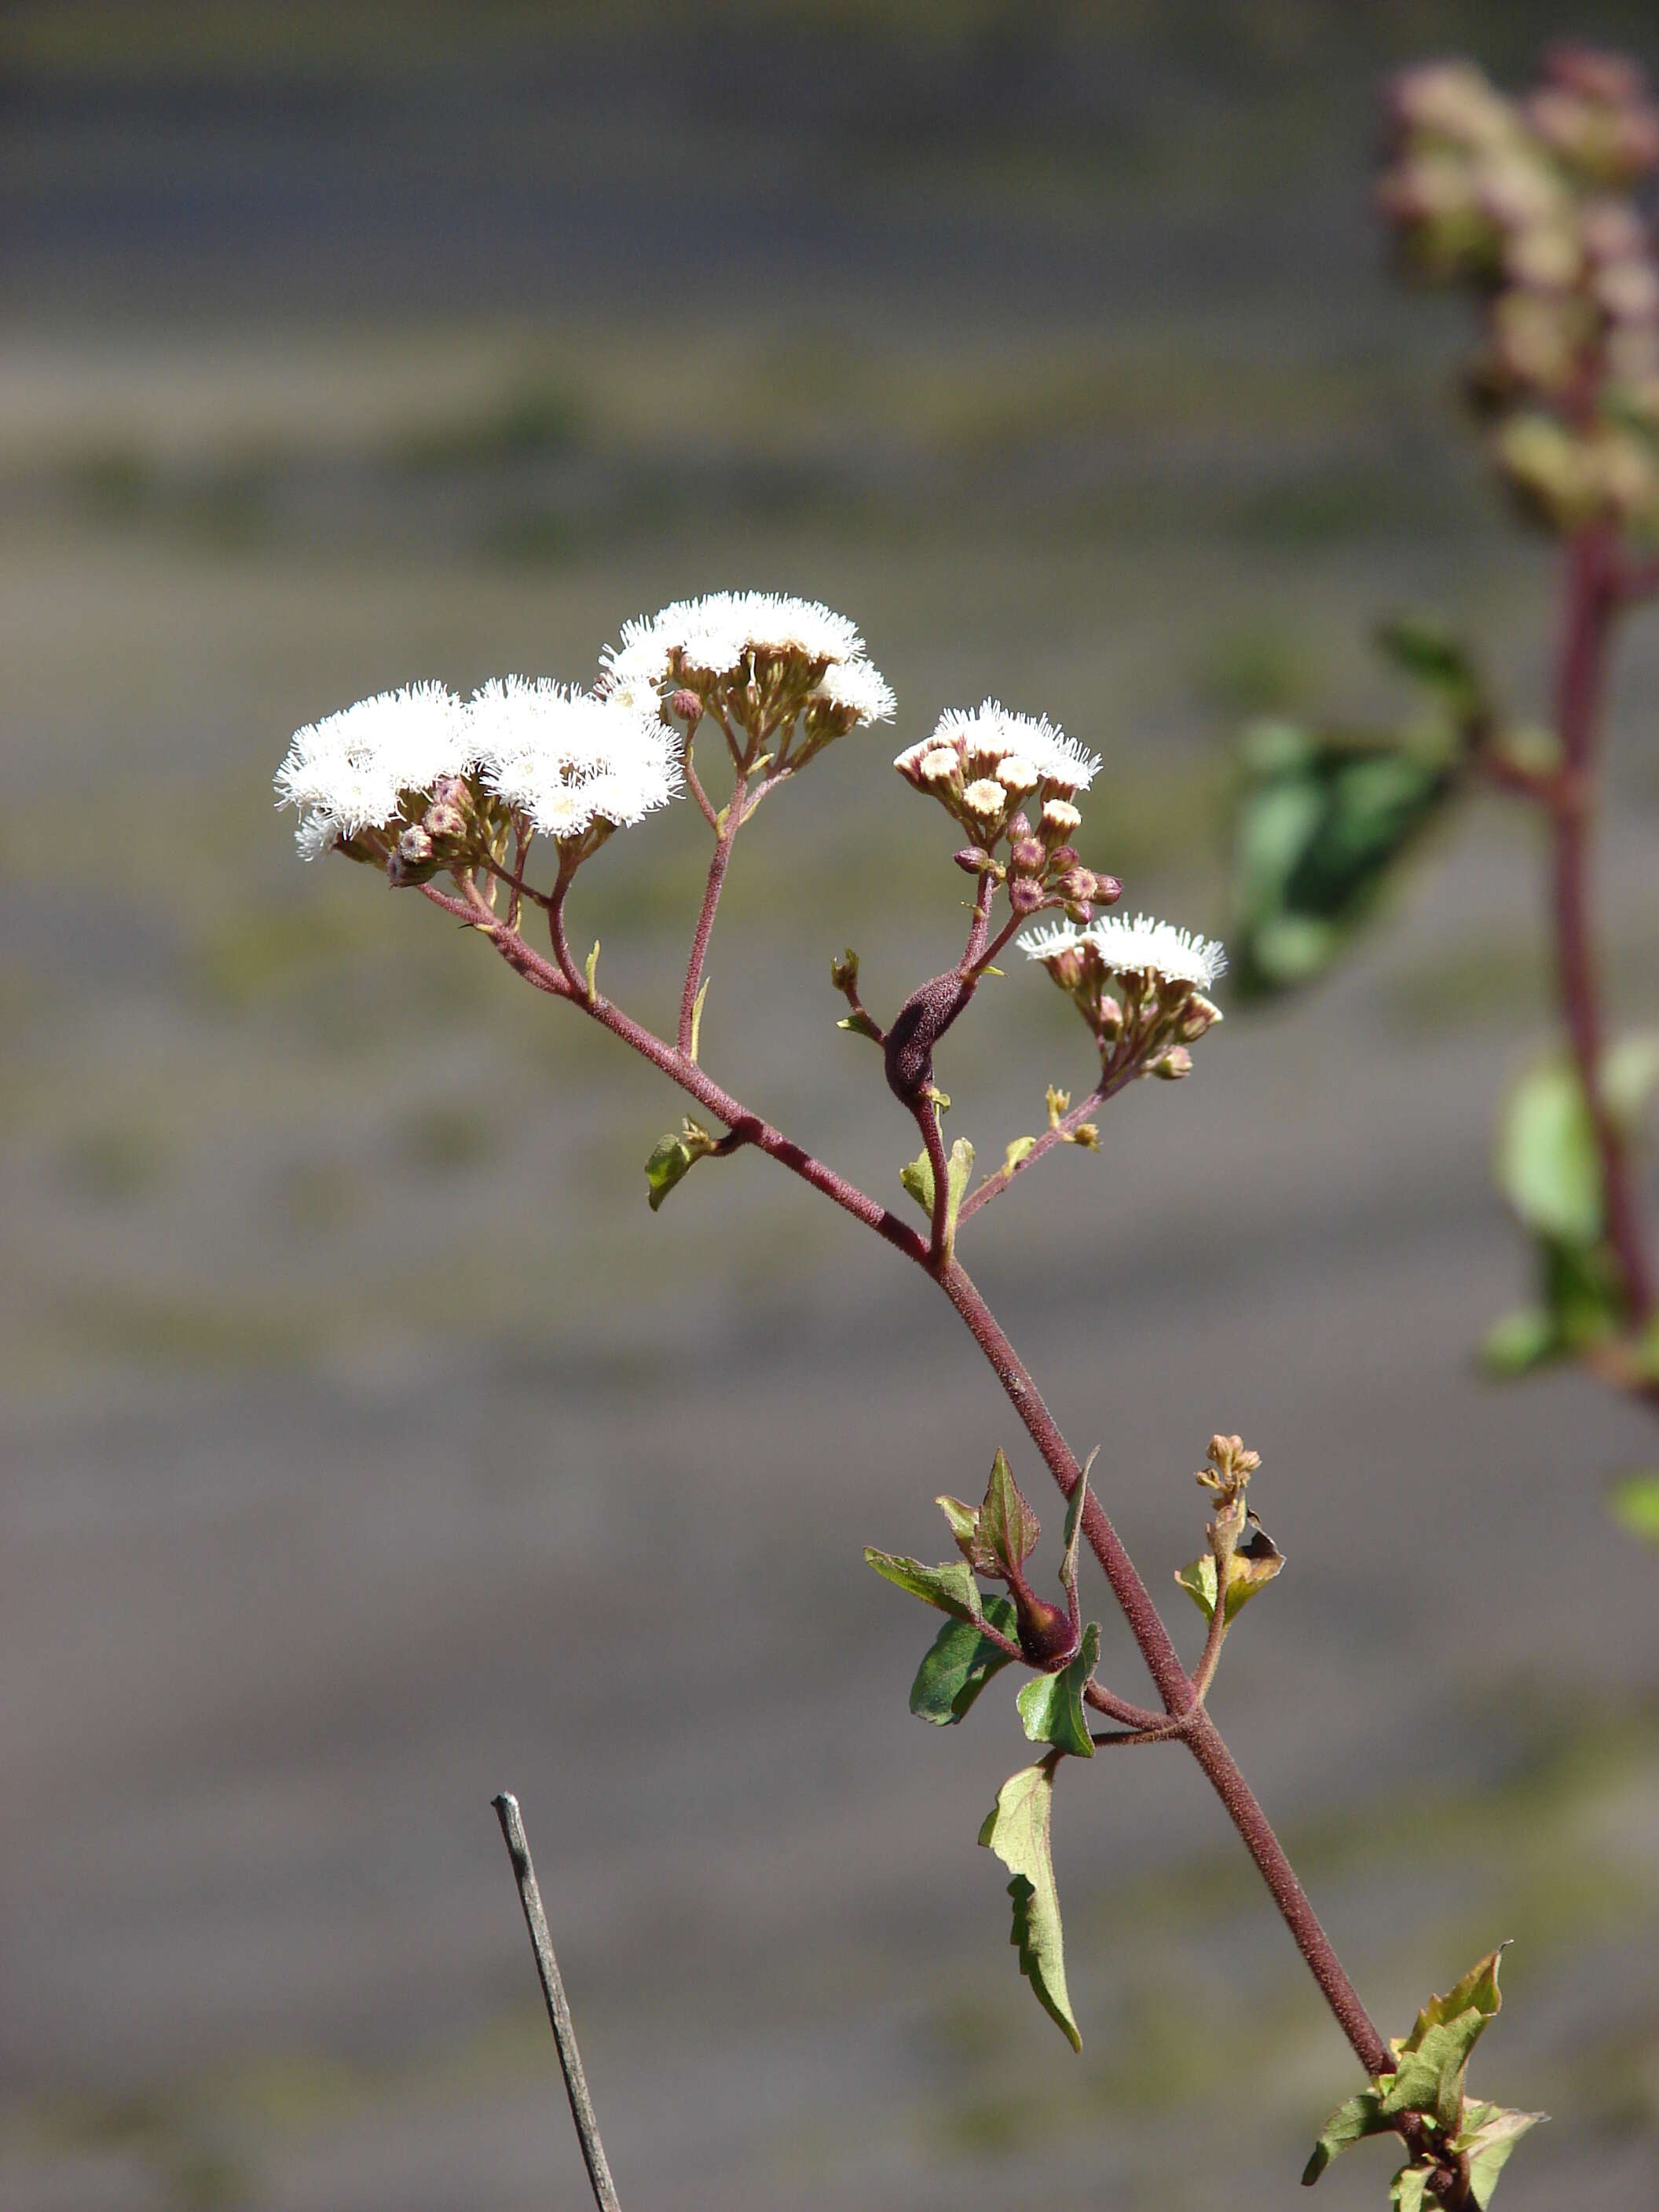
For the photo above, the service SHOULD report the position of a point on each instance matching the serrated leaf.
(952, 1587)
(1489, 2134)
(1019, 1830)
(1430, 2077)
(1051, 1705)
(1477, 1991)
(1634, 1504)
(1250, 1568)
(1351, 2123)
(1005, 1530)
(1433, 2057)
(958, 1664)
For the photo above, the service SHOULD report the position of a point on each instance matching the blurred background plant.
(1055, 345)
(1537, 206)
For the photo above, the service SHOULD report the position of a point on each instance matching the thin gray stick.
(558, 2007)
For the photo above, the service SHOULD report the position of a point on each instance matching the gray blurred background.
(369, 1446)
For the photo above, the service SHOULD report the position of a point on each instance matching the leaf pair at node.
(1429, 2081)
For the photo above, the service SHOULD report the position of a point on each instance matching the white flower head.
(718, 635)
(984, 737)
(353, 771)
(855, 688)
(1050, 940)
(1143, 947)
(567, 758)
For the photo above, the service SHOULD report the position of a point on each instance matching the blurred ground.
(369, 1445)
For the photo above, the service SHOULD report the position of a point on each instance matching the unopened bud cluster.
(1010, 782)
(1529, 203)
(1140, 985)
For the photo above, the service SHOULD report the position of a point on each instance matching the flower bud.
(1059, 819)
(415, 845)
(444, 820)
(1025, 894)
(844, 972)
(1171, 1066)
(686, 704)
(939, 766)
(1017, 775)
(986, 800)
(1200, 1015)
(1027, 855)
(972, 860)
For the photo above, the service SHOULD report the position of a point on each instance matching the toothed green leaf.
(952, 1587)
(1017, 1829)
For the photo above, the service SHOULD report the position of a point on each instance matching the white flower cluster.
(1140, 947)
(349, 772)
(568, 759)
(990, 756)
(719, 636)
(563, 757)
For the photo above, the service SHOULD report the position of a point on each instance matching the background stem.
(558, 2007)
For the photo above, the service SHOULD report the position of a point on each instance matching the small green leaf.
(697, 1013)
(1521, 1341)
(952, 1587)
(917, 1176)
(1433, 2057)
(1021, 1148)
(1547, 1164)
(674, 1158)
(1074, 1505)
(1489, 2134)
(1198, 1580)
(592, 966)
(1430, 2079)
(1250, 1568)
(1423, 647)
(1005, 1530)
(1051, 1705)
(1017, 1829)
(1630, 1070)
(861, 1025)
(1351, 2123)
(1321, 822)
(1409, 2190)
(964, 1519)
(1635, 1505)
(959, 1662)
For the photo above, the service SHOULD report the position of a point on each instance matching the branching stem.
(1178, 1693)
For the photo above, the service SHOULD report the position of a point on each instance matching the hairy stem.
(1592, 602)
(558, 2005)
(729, 824)
(1159, 1653)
